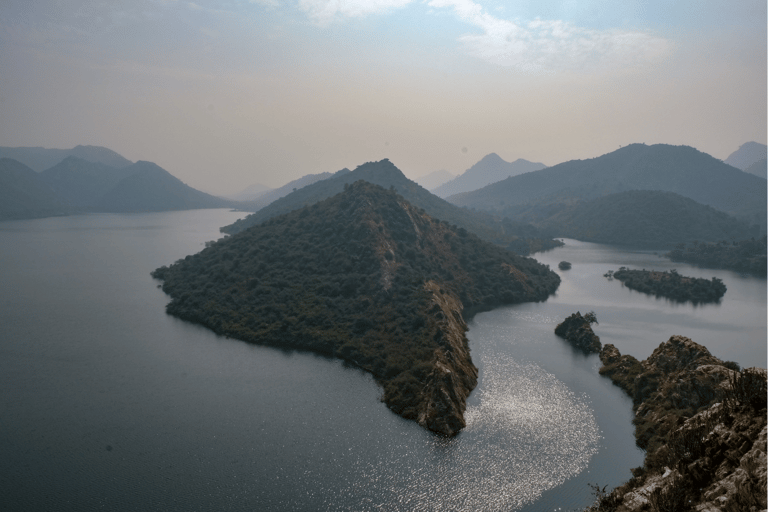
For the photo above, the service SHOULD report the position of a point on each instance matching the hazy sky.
(224, 94)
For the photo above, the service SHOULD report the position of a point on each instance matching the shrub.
(747, 388)
(671, 497)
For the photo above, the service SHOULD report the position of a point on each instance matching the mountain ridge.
(679, 169)
(490, 169)
(25, 195)
(76, 186)
(649, 219)
(747, 154)
(384, 173)
(40, 158)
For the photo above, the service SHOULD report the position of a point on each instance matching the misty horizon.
(227, 95)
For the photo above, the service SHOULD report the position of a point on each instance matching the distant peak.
(145, 165)
(491, 157)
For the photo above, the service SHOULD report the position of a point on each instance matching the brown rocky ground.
(703, 426)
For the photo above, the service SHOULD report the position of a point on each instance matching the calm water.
(108, 403)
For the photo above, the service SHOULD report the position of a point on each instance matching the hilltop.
(81, 183)
(679, 169)
(75, 185)
(748, 154)
(366, 277)
(490, 169)
(150, 188)
(38, 158)
(385, 174)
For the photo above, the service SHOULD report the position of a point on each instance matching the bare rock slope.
(702, 423)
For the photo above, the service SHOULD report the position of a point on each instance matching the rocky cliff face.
(703, 426)
(448, 385)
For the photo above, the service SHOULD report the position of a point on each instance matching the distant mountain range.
(250, 192)
(434, 179)
(490, 169)
(748, 155)
(270, 196)
(39, 159)
(385, 174)
(24, 194)
(75, 185)
(759, 168)
(679, 169)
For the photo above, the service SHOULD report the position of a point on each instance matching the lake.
(109, 403)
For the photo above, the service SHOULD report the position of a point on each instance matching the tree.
(591, 318)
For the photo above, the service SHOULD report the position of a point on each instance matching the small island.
(670, 285)
(578, 331)
(564, 265)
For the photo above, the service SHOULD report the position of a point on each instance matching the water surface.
(107, 402)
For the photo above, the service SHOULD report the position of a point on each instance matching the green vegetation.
(742, 256)
(642, 218)
(517, 237)
(363, 276)
(679, 169)
(670, 285)
(578, 331)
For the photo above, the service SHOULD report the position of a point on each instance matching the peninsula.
(366, 277)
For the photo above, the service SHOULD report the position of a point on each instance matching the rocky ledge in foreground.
(702, 423)
(578, 331)
(365, 277)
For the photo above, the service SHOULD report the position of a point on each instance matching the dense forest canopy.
(518, 237)
(740, 255)
(650, 219)
(671, 285)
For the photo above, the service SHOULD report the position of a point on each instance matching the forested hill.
(151, 188)
(679, 169)
(81, 183)
(366, 277)
(385, 174)
(644, 218)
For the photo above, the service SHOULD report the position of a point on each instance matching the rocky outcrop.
(577, 329)
(703, 426)
(454, 375)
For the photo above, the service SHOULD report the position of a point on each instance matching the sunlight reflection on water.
(528, 433)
